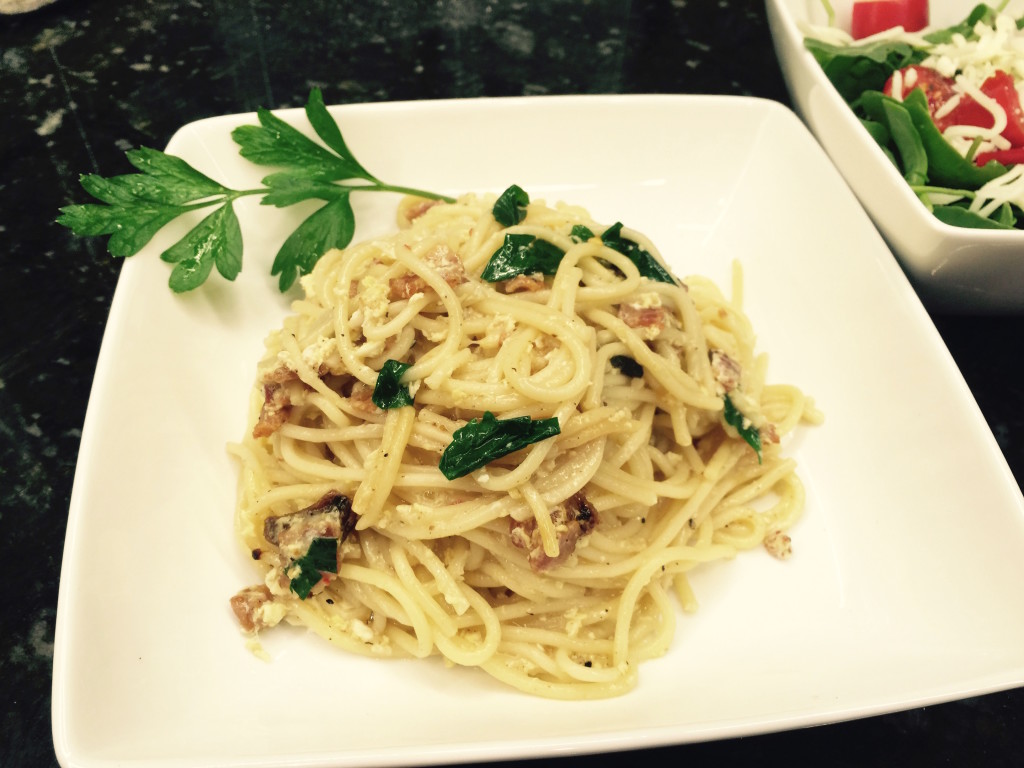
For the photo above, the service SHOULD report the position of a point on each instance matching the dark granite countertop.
(83, 80)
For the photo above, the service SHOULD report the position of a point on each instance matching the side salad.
(943, 104)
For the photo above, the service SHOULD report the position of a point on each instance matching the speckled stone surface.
(83, 80)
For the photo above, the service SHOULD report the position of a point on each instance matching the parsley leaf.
(215, 241)
(747, 431)
(331, 226)
(510, 207)
(134, 207)
(389, 392)
(481, 441)
(275, 142)
(522, 255)
(321, 557)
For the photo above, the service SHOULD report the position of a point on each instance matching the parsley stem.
(382, 187)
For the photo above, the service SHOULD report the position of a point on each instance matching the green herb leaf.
(907, 140)
(510, 207)
(389, 392)
(747, 431)
(946, 166)
(320, 558)
(136, 206)
(481, 441)
(522, 255)
(216, 240)
(275, 142)
(169, 179)
(332, 226)
(580, 233)
(627, 366)
(649, 266)
(854, 69)
(329, 132)
(130, 226)
(288, 188)
(983, 13)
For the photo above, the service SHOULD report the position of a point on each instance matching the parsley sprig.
(133, 207)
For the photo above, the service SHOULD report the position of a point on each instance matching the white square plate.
(904, 585)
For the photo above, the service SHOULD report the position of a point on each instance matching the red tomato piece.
(872, 16)
(1005, 156)
(1001, 89)
(937, 88)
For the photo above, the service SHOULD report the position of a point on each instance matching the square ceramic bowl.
(952, 268)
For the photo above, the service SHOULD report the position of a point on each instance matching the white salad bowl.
(952, 268)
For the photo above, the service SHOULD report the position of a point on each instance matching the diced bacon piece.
(250, 605)
(769, 434)
(447, 263)
(778, 544)
(275, 410)
(361, 398)
(411, 210)
(443, 259)
(280, 375)
(524, 283)
(649, 321)
(725, 370)
(405, 286)
(573, 519)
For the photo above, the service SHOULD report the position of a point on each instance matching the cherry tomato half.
(872, 16)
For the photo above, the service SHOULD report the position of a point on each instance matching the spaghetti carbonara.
(505, 435)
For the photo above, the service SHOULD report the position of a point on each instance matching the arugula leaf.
(747, 431)
(522, 255)
(510, 207)
(389, 392)
(649, 266)
(627, 366)
(321, 557)
(331, 226)
(481, 441)
(137, 206)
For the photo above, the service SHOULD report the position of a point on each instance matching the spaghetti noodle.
(549, 563)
